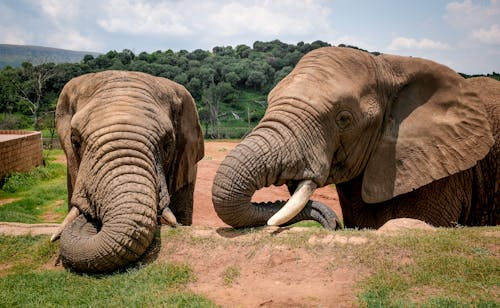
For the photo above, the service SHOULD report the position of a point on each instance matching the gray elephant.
(399, 136)
(132, 142)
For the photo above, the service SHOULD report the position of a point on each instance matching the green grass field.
(29, 285)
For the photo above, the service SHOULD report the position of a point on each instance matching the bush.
(14, 121)
(19, 181)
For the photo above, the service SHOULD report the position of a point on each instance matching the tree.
(256, 80)
(195, 87)
(281, 74)
(8, 94)
(243, 51)
(232, 78)
(198, 54)
(32, 90)
(126, 56)
(212, 98)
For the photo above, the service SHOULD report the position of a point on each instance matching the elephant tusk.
(72, 215)
(168, 217)
(296, 203)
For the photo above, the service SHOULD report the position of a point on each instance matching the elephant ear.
(434, 126)
(71, 99)
(188, 139)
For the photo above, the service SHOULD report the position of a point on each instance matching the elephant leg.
(182, 205)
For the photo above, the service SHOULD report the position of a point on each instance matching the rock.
(402, 224)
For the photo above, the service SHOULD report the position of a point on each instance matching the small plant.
(18, 181)
(230, 275)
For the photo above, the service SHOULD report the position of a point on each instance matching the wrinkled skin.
(399, 136)
(132, 142)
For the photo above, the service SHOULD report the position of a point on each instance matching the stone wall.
(20, 151)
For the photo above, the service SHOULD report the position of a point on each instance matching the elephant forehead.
(118, 115)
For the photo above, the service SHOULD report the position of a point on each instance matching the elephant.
(132, 143)
(400, 137)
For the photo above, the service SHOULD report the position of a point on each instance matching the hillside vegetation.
(229, 84)
(15, 55)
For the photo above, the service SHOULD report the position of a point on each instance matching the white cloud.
(401, 43)
(10, 35)
(73, 40)
(60, 9)
(64, 18)
(270, 18)
(479, 22)
(490, 35)
(467, 14)
(216, 19)
(141, 17)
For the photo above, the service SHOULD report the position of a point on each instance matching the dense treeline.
(229, 84)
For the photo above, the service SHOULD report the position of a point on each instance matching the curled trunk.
(124, 197)
(120, 237)
(251, 166)
(101, 246)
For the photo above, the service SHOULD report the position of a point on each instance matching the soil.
(238, 269)
(253, 270)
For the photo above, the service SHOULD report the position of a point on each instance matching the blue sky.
(463, 34)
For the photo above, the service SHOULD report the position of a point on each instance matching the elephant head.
(132, 142)
(397, 122)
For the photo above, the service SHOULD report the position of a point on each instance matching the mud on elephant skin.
(399, 136)
(132, 142)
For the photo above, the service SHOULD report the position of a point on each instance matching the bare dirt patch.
(16, 229)
(7, 201)
(266, 271)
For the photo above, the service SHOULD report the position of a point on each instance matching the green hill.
(15, 55)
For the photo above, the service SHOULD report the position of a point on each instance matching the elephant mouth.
(294, 205)
(245, 170)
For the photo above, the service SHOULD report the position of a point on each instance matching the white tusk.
(72, 215)
(296, 203)
(169, 217)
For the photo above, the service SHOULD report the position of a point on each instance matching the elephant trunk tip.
(89, 247)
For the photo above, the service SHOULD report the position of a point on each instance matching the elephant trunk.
(93, 246)
(252, 165)
(119, 203)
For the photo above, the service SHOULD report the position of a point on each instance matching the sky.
(462, 34)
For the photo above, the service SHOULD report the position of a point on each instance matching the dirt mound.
(264, 268)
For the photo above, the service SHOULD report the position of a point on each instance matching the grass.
(447, 268)
(28, 285)
(36, 193)
(24, 253)
(230, 275)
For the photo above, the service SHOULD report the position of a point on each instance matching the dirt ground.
(275, 277)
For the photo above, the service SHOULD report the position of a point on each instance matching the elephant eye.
(76, 141)
(344, 119)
